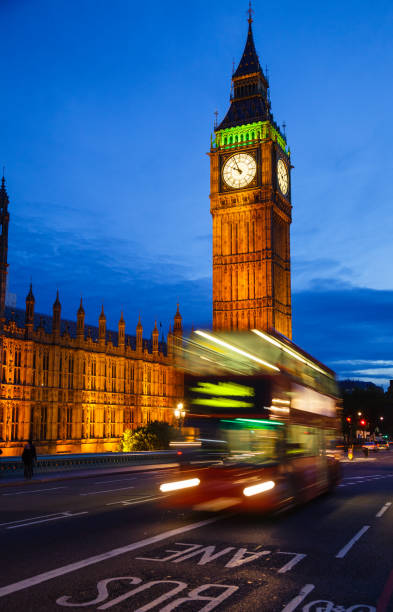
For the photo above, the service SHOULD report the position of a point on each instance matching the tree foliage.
(154, 436)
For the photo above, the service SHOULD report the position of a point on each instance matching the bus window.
(302, 441)
(253, 443)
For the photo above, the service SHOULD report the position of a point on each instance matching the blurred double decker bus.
(267, 411)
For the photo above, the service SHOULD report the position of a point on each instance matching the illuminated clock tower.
(250, 202)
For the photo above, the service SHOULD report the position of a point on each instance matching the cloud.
(346, 327)
(121, 274)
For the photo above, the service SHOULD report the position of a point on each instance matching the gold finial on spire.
(250, 12)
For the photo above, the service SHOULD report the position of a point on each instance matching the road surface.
(106, 543)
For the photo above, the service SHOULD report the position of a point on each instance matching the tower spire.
(249, 90)
(250, 12)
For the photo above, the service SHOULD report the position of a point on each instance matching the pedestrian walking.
(29, 455)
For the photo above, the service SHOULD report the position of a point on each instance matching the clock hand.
(238, 169)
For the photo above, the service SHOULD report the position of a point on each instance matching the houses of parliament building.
(74, 389)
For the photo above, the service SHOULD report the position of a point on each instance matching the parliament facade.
(74, 388)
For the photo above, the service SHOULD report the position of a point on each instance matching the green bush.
(154, 436)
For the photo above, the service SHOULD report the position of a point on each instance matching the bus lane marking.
(288, 566)
(296, 601)
(115, 552)
(207, 554)
(193, 595)
(383, 510)
(323, 604)
(341, 554)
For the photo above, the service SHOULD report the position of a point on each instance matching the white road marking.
(355, 538)
(117, 480)
(383, 509)
(30, 518)
(72, 567)
(48, 520)
(364, 479)
(296, 601)
(106, 491)
(364, 476)
(35, 491)
(132, 502)
(288, 566)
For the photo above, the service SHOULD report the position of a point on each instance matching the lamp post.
(179, 413)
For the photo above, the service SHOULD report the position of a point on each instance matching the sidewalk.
(13, 481)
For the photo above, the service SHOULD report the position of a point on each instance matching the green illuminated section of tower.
(245, 135)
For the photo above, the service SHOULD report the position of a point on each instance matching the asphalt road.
(107, 543)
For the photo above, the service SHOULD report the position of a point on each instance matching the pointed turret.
(178, 328)
(249, 99)
(29, 318)
(155, 339)
(139, 332)
(4, 221)
(56, 319)
(80, 321)
(121, 331)
(102, 326)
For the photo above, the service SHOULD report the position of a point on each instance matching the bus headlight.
(258, 488)
(180, 484)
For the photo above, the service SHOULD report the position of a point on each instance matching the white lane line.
(288, 566)
(355, 538)
(56, 518)
(30, 518)
(106, 491)
(72, 567)
(296, 601)
(34, 491)
(383, 509)
(129, 502)
(117, 480)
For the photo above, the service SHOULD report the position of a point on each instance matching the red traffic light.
(362, 422)
(349, 419)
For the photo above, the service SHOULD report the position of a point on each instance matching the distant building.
(348, 386)
(72, 388)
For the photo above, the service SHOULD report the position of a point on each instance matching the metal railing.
(63, 463)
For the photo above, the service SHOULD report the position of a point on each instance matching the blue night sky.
(106, 112)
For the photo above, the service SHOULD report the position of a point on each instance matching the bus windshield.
(253, 441)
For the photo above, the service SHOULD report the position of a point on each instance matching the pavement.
(107, 542)
(10, 481)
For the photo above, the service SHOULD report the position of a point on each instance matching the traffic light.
(362, 422)
(349, 419)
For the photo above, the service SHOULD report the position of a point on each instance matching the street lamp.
(359, 414)
(381, 418)
(179, 412)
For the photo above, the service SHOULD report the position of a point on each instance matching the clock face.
(282, 175)
(239, 170)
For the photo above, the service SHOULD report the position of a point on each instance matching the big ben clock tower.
(250, 202)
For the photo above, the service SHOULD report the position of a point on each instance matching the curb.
(72, 476)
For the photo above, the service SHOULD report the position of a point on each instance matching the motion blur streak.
(181, 484)
(259, 488)
(236, 350)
